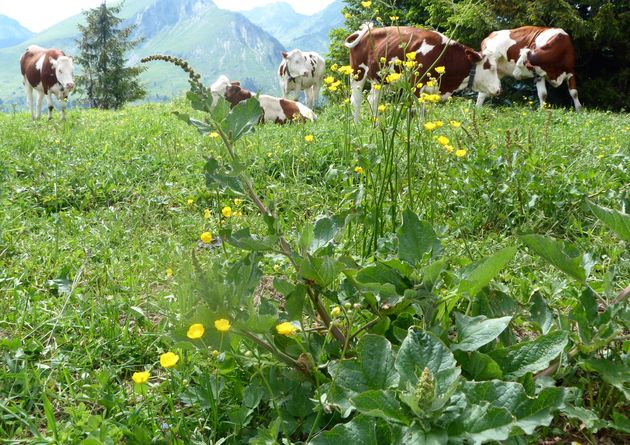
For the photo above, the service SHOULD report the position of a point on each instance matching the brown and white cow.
(464, 67)
(301, 71)
(533, 52)
(49, 71)
(274, 109)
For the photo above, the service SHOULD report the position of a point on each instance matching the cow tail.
(353, 39)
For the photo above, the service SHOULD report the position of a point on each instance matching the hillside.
(11, 32)
(213, 40)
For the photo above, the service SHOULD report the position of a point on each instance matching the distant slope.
(11, 32)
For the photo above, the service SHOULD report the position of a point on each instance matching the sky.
(37, 15)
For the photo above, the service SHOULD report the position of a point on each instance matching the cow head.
(296, 63)
(485, 75)
(63, 70)
(234, 93)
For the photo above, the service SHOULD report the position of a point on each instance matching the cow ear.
(473, 55)
(284, 54)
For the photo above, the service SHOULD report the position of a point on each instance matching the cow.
(49, 71)
(545, 54)
(373, 49)
(301, 71)
(274, 109)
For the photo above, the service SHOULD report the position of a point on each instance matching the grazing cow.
(49, 71)
(274, 109)
(533, 52)
(301, 70)
(371, 50)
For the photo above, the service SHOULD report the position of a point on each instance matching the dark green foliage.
(106, 80)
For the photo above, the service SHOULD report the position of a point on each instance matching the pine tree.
(106, 80)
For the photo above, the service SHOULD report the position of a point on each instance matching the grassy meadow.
(100, 224)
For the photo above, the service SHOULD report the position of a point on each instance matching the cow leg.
(573, 92)
(50, 105)
(481, 97)
(40, 99)
(542, 91)
(63, 103)
(28, 89)
(356, 87)
(374, 98)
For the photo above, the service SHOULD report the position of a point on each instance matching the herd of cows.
(529, 52)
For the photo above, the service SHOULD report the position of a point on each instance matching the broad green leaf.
(242, 118)
(415, 238)
(283, 286)
(421, 350)
(621, 422)
(614, 373)
(588, 418)
(325, 230)
(382, 274)
(383, 404)
(479, 366)
(200, 103)
(474, 332)
(432, 272)
(295, 302)
(202, 127)
(541, 313)
(480, 276)
(243, 239)
(322, 270)
(360, 430)
(561, 255)
(617, 221)
(416, 435)
(218, 178)
(530, 356)
(482, 423)
(306, 237)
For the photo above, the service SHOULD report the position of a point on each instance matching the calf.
(49, 71)
(372, 49)
(301, 70)
(545, 54)
(274, 109)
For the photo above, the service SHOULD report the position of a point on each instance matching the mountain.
(11, 32)
(294, 30)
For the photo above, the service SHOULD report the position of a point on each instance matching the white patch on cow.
(558, 81)
(487, 80)
(40, 63)
(446, 40)
(357, 35)
(272, 110)
(425, 48)
(546, 35)
(306, 112)
(520, 70)
(496, 48)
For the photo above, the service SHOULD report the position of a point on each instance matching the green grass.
(94, 210)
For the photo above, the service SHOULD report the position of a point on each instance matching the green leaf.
(322, 270)
(360, 430)
(243, 239)
(617, 221)
(218, 178)
(474, 332)
(283, 286)
(415, 238)
(482, 423)
(416, 435)
(306, 238)
(295, 302)
(588, 418)
(561, 255)
(325, 230)
(202, 127)
(421, 350)
(382, 274)
(481, 275)
(383, 404)
(242, 118)
(479, 366)
(621, 422)
(541, 313)
(530, 356)
(432, 272)
(614, 373)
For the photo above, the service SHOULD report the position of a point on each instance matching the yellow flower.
(358, 170)
(140, 377)
(460, 153)
(419, 85)
(409, 64)
(455, 124)
(206, 237)
(429, 126)
(222, 325)
(334, 67)
(346, 69)
(376, 86)
(190, 202)
(238, 202)
(443, 140)
(286, 328)
(411, 55)
(381, 108)
(169, 273)
(195, 331)
(366, 4)
(335, 312)
(269, 154)
(431, 83)
(382, 60)
(449, 148)
(237, 214)
(347, 15)
(215, 353)
(393, 18)
(206, 213)
(439, 124)
(276, 267)
(309, 138)
(393, 77)
(329, 79)
(169, 359)
(440, 69)
(226, 211)
(214, 134)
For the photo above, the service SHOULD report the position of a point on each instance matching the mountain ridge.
(12, 32)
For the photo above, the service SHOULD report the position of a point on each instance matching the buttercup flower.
(455, 124)
(440, 69)
(346, 69)
(381, 108)
(449, 148)
(382, 60)
(238, 202)
(393, 77)
(190, 202)
(347, 15)
(140, 377)
(222, 325)
(329, 79)
(309, 138)
(376, 86)
(409, 64)
(443, 140)
(411, 55)
(214, 134)
(358, 170)
(429, 126)
(366, 4)
(335, 312)
(205, 237)
(334, 67)
(169, 273)
(393, 18)
(439, 124)
(169, 359)
(286, 328)
(226, 211)
(276, 267)
(460, 153)
(206, 213)
(195, 331)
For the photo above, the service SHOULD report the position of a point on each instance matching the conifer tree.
(106, 79)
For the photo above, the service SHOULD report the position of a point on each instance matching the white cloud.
(38, 15)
